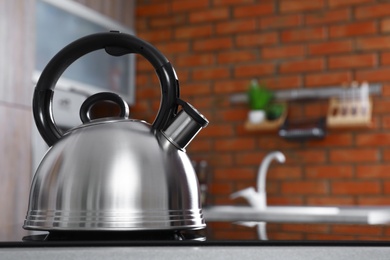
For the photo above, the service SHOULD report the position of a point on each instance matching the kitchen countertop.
(200, 250)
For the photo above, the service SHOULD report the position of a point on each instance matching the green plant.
(259, 96)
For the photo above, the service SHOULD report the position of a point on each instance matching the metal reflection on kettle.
(115, 173)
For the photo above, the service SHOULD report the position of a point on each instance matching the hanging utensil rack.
(335, 118)
(307, 93)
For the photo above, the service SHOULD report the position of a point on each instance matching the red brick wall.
(218, 46)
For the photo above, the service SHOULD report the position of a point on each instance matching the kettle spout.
(185, 126)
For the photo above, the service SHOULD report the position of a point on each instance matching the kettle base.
(158, 235)
(114, 220)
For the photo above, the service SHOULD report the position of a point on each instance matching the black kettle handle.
(115, 44)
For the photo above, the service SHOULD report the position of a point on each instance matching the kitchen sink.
(299, 214)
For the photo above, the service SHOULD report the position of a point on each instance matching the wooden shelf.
(267, 125)
(346, 115)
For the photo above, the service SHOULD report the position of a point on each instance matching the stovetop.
(160, 235)
(214, 233)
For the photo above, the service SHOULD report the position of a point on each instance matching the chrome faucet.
(258, 199)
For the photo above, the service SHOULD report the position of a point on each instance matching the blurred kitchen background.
(217, 48)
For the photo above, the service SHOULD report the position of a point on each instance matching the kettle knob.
(85, 109)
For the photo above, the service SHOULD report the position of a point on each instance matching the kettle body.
(94, 180)
(115, 174)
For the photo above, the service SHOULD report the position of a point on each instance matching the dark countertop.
(195, 250)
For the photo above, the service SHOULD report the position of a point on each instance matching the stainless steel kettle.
(115, 173)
